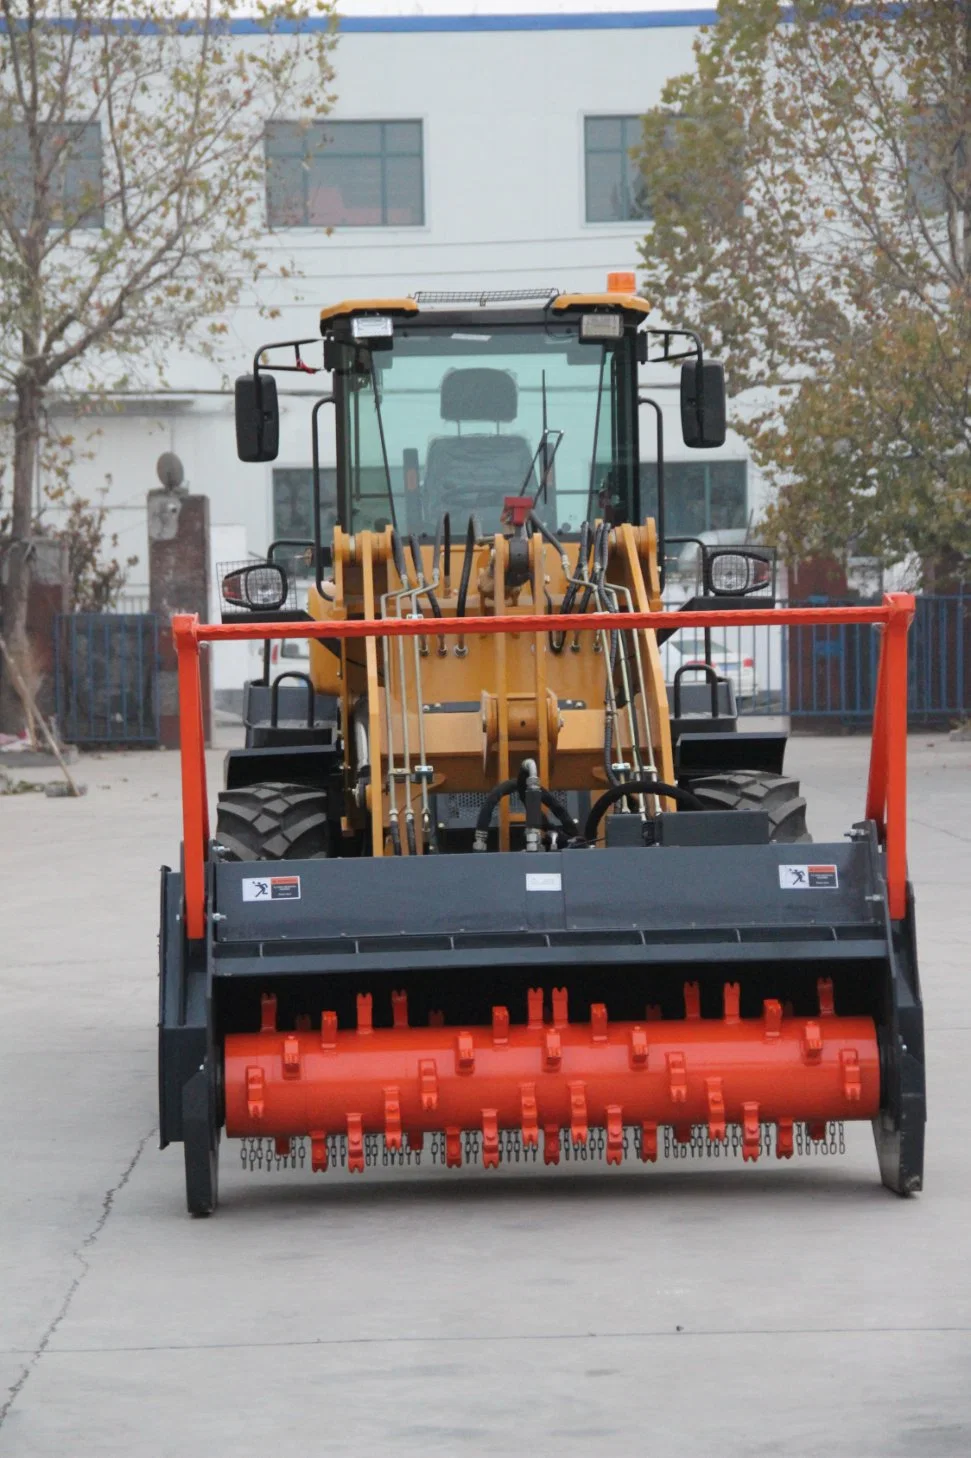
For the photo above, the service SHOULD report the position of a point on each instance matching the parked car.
(728, 663)
(288, 648)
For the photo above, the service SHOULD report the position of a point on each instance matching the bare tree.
(131, 182)
(812, 210)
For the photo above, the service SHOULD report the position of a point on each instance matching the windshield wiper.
(547, 471)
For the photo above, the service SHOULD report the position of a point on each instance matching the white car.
(727, 663)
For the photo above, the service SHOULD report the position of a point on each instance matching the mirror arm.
(646, 400)
(299, 368)
(315, 462)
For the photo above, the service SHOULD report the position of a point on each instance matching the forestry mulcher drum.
(481, 886)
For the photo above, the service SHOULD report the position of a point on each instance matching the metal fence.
(106, 675)
(825, 677)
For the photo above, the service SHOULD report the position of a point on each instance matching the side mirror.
(257, 418)
(262, 587)
(702, 404)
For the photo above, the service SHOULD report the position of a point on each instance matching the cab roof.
(477, 305)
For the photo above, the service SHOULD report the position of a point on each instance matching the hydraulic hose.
(466, 569)
(545, 533)
(636, 787)
(508, 787)
(398, 554)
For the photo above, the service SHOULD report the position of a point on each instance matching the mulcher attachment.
(549, 1080)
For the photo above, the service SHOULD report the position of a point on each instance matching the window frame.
(68, 201)
(672, 466)
(635, 221)
(382, 156)
(328, 482)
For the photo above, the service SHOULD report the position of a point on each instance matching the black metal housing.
(628, 927)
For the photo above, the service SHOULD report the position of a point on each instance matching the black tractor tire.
(273, 822)
(753, 790)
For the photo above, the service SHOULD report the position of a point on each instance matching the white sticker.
(808, 878)
(544, 881)
(271, 888)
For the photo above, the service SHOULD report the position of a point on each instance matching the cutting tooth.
(783, 1139)
(649, 1143)
(751, 1131)
(598, 1022)
(716, 1110)
(732, 1001)
(399, 1009)
(267, 1013)
(534, 1007)
(824, 991)
(692, 1001)
(551, 1144)
(328, 1031)
(771, 1019)
(355, 1143)
(365, 1021)
(560, 1007)
(578, 1112)
(527, 1094)
(490, 1139)
(615, 1134)
(453, 1147)
(500, 1027)
(318, 1150)
(392, 1118)
(677, 1078)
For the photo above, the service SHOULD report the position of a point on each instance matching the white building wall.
(503, 131)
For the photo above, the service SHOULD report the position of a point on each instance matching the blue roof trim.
(587, 20)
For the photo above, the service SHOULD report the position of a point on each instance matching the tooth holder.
(548, 1077)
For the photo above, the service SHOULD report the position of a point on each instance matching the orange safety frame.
(886, 785)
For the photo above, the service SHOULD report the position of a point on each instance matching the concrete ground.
(671, 1311)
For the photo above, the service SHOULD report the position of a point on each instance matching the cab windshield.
(456, 419)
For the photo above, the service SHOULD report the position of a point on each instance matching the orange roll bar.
(887, 784)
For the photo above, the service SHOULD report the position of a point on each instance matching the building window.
(344, 174)
(698, 497)
(933, 160)
(293, 505)
(76, 192)
(615, 189)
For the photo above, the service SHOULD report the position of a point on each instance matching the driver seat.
(468, 474)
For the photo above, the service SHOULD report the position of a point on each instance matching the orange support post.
(902, 608)
(195, 800)
(886, 798)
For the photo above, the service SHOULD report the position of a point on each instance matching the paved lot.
(737, 1312)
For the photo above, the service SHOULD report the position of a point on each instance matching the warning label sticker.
(271, 888)
(808, 878)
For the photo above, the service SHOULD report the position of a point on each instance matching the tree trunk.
(16, 587)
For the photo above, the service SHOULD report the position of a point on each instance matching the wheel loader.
(481, 887)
